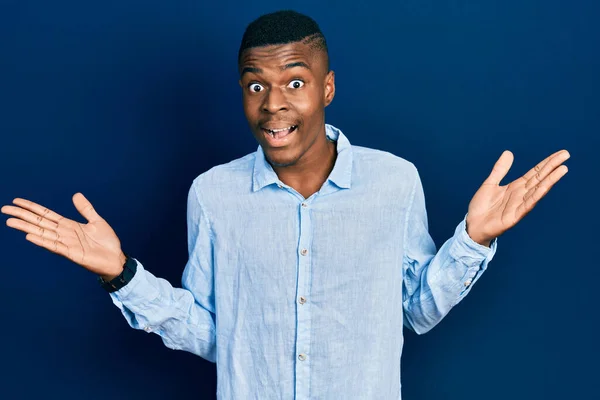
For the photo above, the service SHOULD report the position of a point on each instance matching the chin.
(281, 160)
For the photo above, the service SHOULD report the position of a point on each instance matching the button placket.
(303, 316)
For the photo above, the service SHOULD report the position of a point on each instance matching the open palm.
(94, 245)
(494, 209)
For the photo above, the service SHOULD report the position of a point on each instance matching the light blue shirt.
(299, 298)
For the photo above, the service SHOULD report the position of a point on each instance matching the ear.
(240, 83)
(329, 87)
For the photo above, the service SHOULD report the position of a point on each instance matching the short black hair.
(282, 27)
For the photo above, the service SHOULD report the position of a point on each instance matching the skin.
(494, 209)
(285, 85)
(304, 163)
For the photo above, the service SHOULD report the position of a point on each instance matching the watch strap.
(129, 269)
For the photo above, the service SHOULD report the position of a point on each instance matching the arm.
(434, 283)
(183, 317)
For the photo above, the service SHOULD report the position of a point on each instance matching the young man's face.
(286, 87)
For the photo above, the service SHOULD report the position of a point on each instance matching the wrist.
(476, 234)
(483, 242)
(117, 270)
(128, 271)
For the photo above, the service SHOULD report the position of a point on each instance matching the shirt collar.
(341, 174)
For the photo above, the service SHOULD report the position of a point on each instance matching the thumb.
(500, 168)
(85, 208)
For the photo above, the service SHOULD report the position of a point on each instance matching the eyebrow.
(255, 70)
(295, 64)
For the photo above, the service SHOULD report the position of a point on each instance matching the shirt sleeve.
(435, 282)
(183, 317)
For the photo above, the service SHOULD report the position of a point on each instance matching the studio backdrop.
(128, 101)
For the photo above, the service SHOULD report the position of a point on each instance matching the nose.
(274, 101)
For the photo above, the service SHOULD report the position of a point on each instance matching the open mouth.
(280, 133)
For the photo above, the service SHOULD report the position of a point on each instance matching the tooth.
(282, 129)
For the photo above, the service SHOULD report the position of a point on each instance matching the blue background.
(128, 101)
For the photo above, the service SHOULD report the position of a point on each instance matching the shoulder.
(226, 179)
(384, 164)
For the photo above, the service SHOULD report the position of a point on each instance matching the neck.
(308, 174)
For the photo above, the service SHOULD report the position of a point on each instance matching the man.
(307, 257)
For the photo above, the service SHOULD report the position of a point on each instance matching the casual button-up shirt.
(306, 298)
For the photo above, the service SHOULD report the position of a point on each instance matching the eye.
(296, 84)
(255, 87)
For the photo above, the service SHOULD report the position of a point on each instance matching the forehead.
(281, 54)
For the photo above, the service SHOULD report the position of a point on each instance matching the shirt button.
(279, 186)
(304, 205)
(468, 282)
(303, 252)
(302, 300)
(147, 329)
(302, 357)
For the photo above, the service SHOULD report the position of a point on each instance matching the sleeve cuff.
(138, 291)
(472, 255)
(465, 247)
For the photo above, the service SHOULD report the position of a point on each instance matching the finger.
(500, 168)
(38, 209)
(544, 170)
(85, 208)
(533, 171)
(536, 193)
(32, 218)
(547, 182)
(33, 229)
(52, 245)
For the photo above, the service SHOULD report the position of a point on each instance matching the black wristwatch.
(123, 279)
